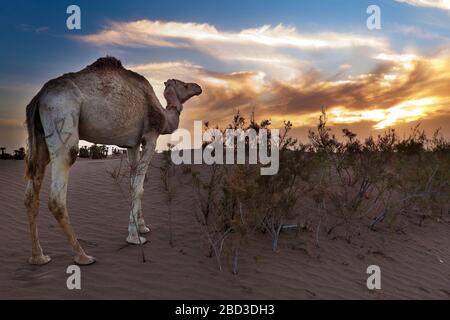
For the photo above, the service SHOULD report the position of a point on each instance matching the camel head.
(180, 90)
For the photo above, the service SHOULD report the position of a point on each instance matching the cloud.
(11, 123)
(42, 29)
(439, 4)
(179, 34)
(264, 46)
(401, 89)
(157, 73)
(222, 92)
(407, 111)
(421, 33)
(30, 28)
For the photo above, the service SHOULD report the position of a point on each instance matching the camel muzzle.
(198, 91)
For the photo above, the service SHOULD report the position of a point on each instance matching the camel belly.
(104, 123)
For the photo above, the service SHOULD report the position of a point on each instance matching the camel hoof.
(39, 260)
(84, 260)
(144, 229)
(136, 240)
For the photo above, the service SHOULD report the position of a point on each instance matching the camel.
(106, 104)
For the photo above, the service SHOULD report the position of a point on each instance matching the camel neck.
(173, 106)
(172, 119)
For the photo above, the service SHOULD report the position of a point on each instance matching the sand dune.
(415, 264)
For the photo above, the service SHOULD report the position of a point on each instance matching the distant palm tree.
(84, 152)
(3, 150)
(19, 154)
(104, 150)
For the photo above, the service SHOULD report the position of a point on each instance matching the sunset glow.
(407, 111)
(275, 67)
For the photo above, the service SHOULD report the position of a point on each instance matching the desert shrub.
(421, 187)
(84, 152)
(350, 185)
(331, 183)
(4, 155)
(271, 199)
(235, 200)
(206, 189)
(380, 179)
(167, 172)
(98, 152)
(116, 152)
(94, 152)
(19, 154)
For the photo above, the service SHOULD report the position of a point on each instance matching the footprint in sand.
(310, 293)
(30, 274)
(447, 292)
(88, 243)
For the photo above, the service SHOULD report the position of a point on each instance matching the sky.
(282, 60)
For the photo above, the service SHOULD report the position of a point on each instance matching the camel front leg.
(133, 159)
(139, 166)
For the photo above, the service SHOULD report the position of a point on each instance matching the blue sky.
(37, 46)
(31, 56)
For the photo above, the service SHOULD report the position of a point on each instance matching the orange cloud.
(401, 89)
(11, 123)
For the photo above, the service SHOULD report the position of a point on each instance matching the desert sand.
(414, 263)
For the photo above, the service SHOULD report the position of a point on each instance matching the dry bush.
(381, 179)
(421, 187)
(167, 173)
(94, 152)
(235, 200)
(210, 220)
(333, 184)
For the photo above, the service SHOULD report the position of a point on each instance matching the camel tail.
(35, 138)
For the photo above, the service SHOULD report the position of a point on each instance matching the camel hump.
(107, 62)
(111, 63)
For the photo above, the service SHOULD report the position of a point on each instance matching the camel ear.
(168, 82)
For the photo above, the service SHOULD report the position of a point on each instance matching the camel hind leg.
(60, 166)
(32, 205)
(60, 123)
